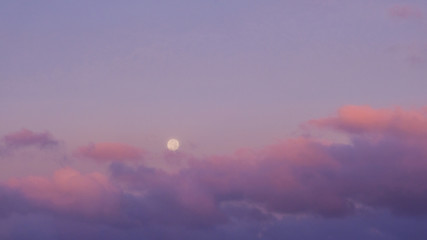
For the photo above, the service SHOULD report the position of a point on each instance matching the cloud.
(25, 138)
(12, 201)
(404, 12)
(300, 177)
(105, 152)
(69, 192)
(156, 197)
(365, 119)
(317, 179)
(303, 175)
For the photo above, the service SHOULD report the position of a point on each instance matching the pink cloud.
(304, 175)
(294, 176)
(301, 151)
(26, 137)
(103, 152)
(404, 12)
(166, 198)
(69, 191)
(365, 119)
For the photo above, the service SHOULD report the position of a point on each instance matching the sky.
(297, 119)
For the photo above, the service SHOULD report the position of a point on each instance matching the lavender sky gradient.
(300, 119)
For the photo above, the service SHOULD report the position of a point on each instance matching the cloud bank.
(383, 168)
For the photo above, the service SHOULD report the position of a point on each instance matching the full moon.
(173, 144)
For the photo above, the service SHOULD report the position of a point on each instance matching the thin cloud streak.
(107, 152)
(25, 138)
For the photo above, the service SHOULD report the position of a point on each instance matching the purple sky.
(300, 119)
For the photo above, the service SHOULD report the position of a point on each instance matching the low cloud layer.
(383, 168)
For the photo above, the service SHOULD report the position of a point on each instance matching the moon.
(173, 144)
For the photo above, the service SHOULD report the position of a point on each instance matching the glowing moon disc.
(173, 144)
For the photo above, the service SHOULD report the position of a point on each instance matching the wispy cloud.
(25, 138)
(403, 11)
